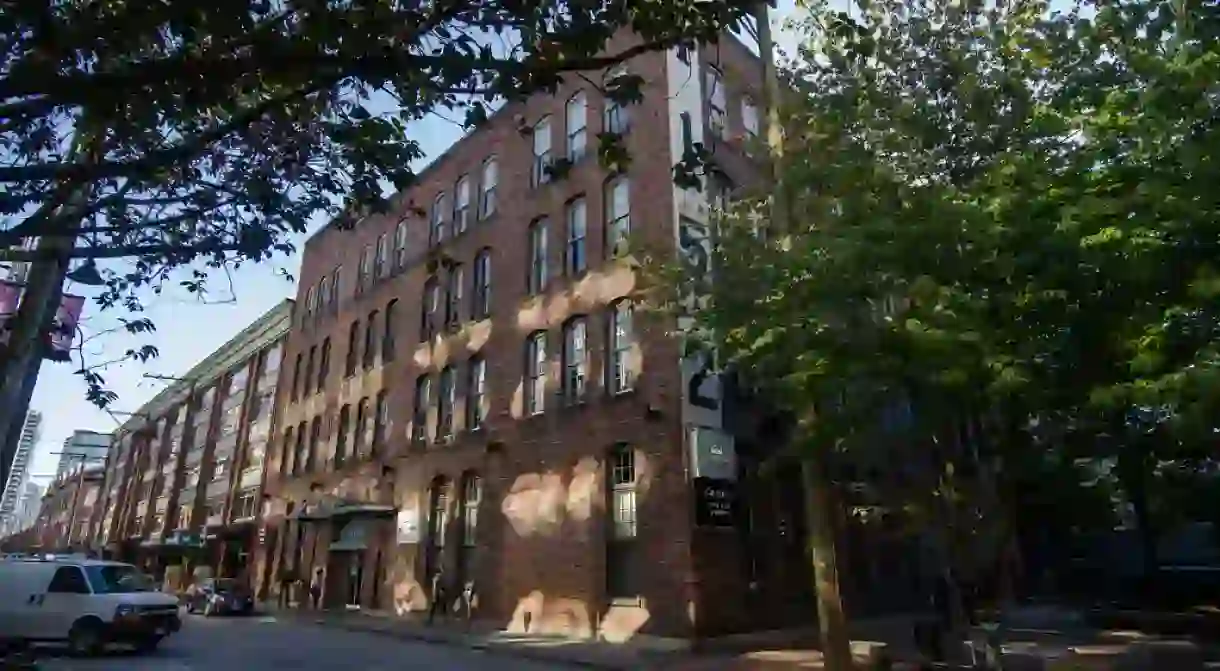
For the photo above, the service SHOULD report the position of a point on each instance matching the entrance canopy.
(333, 507)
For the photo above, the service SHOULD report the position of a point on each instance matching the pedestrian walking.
(287, 580)
(315, 588)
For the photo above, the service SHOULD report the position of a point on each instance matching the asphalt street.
(263, 643)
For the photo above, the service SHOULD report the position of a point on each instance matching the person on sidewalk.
(287, 578)
(315, 588)
(437, 603)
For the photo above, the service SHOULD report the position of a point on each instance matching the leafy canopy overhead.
(187, 132)
(992, 206)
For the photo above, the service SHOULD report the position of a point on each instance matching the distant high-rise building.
(82, 449)
(28, 507)
(19, 471)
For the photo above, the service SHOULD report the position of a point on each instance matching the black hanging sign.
(715, 503)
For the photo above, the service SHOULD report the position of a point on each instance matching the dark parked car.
(219, 596)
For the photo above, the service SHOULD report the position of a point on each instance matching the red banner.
(63, 333)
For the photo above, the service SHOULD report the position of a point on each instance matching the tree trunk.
(820, 514)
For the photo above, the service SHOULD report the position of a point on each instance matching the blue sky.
(187, 329)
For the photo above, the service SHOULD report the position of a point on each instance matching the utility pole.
(820, 505)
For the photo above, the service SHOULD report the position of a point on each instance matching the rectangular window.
(400, 246)
(440, 219)
(487, 188)
(419, 415)
(713, 91)
(535, 374)
(476, 394)
(575, 259)
(620, 557)
(461, 206)
(622, 484)
(615, 117)
(445, 404)
(381, 262)
(481, 307)
(536, 280)
(575, 361)
(618, 215)
(540, 170)
(622, 341)
(577, 118)
(453, 298)
(749, 117)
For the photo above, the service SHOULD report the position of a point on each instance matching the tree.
(999, 216)
(191, 135)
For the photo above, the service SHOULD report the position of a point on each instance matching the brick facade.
(544, 541)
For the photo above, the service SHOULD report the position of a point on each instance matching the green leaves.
(208, 136)
(994, 208)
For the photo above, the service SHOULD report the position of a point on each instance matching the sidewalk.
(1024, 649)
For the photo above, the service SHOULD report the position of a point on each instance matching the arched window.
(620, 339)
(428, 309)
(481, 290)
(438, 524)
(575, 256)
(440, 219)
(575, 360)
(537, 272)
(370, 340)
(387, 338)
(576, 114)
(341, 437)
(419, 414)
(534, 382)
(353, 349)
(471, 501)
(324, 365)
(286, 451)
(541, 136)
(487, 188)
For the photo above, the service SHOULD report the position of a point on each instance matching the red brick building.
(184, 474)
(67, 507)
(468, 401)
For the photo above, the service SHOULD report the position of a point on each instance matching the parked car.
(219, 596)
(86, 602)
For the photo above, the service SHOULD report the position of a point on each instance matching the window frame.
(535, 378)
(537, 268)
(575, 357)
(576, 248)
(620, 374)
(439, 221)
(542, 150)
(618, 224)
(476, 393)
(576, 125)
(480, 279)
(489, 178)
(461, 205)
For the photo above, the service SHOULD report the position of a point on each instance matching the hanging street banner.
(63, 331)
